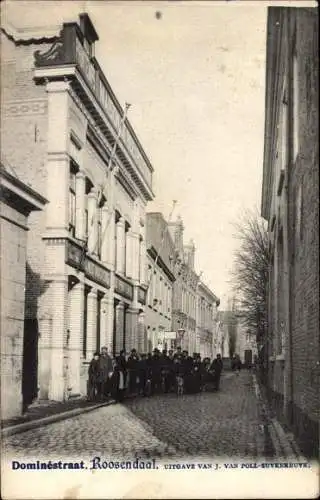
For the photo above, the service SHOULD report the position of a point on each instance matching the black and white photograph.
(159, 249)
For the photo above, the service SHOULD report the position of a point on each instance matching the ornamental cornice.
(67, 57)
(99, 141)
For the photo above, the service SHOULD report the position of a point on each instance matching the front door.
(30, 362)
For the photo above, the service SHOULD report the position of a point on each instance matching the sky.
(194, 73)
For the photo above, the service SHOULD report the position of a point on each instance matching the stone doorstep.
(56, 417)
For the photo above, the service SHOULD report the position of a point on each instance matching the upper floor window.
(149, 283)
(72, 201)
(284, 129)
(88, 187)
(295, 106)
(88, 47)
(99, 233)
(140, 270)
(299, 209)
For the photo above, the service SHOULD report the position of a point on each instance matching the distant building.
(246, 345)
(17, 201)
(290, 204)
(160, 281)
(207, 304)
(184, 306)
(223, 333)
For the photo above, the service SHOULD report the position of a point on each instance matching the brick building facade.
(160, 251)
(17, 202)
(206, 321)
(184, 305)
(86, 258)
(290, 204)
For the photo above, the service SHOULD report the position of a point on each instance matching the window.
(149, 292)
(99, 234)
(72, 202)
(86, 223)
(85, 323)
(280, 293)
(139, 260)
(88, 188)
(284, 129)
(115, 243)
(155, 290)
(89, 47)
(160, 294)
(295, 106)
(299, 208)
(98, 338)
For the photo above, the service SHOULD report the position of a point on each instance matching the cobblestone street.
(227, 423)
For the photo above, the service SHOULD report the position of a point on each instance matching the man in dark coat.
(178, 353)
(93, 373)
(216, 368)
(164, 367)
(122, 362)
(149, 363)
(196, 374)
(105, 370)
(187, 364)
(132, 366)
(142, 373)
(156, 371)
(171, 371)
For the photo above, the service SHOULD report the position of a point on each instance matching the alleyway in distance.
(227, 423)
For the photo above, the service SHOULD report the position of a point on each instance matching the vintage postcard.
(159, 249)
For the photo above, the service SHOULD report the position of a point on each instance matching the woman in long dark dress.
(118, 380)
(205, 376)
(196, 375)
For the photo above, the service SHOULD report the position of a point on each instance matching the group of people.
(147, 374)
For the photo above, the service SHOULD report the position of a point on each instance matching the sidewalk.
(46, 412)
(283, 442)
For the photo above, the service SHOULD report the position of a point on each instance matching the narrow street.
(228, 423)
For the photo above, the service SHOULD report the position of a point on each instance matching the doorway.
(30, 362)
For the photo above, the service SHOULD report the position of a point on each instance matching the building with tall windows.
(206, 321)
(184, 306)
(290, 204)
(160, 252)
(86, 274)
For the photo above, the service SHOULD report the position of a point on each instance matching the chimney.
(189, 253)
(176, 230)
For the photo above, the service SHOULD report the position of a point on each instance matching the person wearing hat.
(105, 369)
(118, 380)
(216, 369)
(132, 365)
(171, 371)
(178, 353)
(156, 371)
(93, 373)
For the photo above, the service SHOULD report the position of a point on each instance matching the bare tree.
(250, 273)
